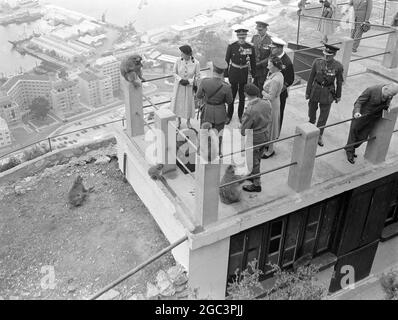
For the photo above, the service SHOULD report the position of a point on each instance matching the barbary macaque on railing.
(131, 70)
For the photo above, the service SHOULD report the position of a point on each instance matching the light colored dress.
(327, 26)
(271, 91)
(182, 102)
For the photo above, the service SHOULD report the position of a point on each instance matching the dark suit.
(288, 75)
(237, 58)
(263, 51)
(370, 103)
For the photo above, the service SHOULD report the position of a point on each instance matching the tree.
(40, 107)
(289, 285)
(210, 44)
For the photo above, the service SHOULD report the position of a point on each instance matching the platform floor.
(326, 168)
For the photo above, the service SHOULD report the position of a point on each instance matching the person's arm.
(272, 91)
(369, 7)
(289, 74)
(196, 76)
(339, 82)
(201, 93)
(175, 72)
(228, 96)
(228, 60)
(362, 99)
(247, 121)
(253, 63)
(310, 81)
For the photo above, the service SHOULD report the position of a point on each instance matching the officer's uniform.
(216, 93)
(240, 58)
(263, 51)
(324, 86)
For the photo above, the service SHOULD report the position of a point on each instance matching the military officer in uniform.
(261, 43)
(324, 86)
(215, 94)
(241, 60)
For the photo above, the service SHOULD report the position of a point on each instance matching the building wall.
(65, 97)
(110, 68)
(10, 111)
(5, 135)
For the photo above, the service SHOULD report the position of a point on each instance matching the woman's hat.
(186, 49)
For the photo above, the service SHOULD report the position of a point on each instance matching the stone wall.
(51, 159)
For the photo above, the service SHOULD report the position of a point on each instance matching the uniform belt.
(239, 66)
(214, 104)
(322, 85)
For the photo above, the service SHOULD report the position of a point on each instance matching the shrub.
(389, 283)
(35, 152)
(289, 285)
(11, 163)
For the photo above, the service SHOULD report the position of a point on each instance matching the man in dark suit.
(277, 49)
(241, 59)
(368, 109)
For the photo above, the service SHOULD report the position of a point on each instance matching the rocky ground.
(85, 248)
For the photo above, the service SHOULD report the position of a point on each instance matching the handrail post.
(166, 139)
(207, 182)
(304, 152)
(345, 53)
(298, 27)
(134, 108)
(390, 59)
(376, 149)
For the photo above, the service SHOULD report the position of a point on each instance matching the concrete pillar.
(166, 140)
(304, 151)
(376, 150)
(345, 53)
(134, 111)
(208, 268)
(390, 60)
(207, 181)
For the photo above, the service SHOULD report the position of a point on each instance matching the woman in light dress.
(187, 77)
(326, 25)
(271, 91)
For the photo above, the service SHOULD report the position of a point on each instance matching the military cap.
(186, 49)
(262, 23)
(277, 42)
(329, 49)
(241, 31)
(252, 90)
(220, 63)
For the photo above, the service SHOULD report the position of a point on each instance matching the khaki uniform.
(263, 51)
(324, 86)
(257, 117)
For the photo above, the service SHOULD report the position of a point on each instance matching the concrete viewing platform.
(188, 204)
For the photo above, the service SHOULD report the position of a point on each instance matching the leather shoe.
(265, 156)
(320, 141)
(252, 188)
(351, 158)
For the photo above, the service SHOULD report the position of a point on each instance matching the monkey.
(131, 69)
(78, 193)
(232, 193)
(155, 172)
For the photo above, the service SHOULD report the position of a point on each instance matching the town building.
(65, 96)
(22, 89)
(10, 111)
(5, 135)
(95, 90)
(109, 66)
(195, 25)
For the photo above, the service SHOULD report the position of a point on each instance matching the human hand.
(184, 82)
(307, 97)
(357, 115)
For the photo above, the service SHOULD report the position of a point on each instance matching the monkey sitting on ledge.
(131, 70)
(232, 193)
(78, 193)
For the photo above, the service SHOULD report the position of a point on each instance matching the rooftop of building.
(88, 76)
(23, 77)
(106, 60)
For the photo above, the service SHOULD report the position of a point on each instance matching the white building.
(95, 90)
(109, 66)
(10, 110)
(5, 135)
(65, 96)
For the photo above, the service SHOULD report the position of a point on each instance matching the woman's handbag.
(365, 26)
